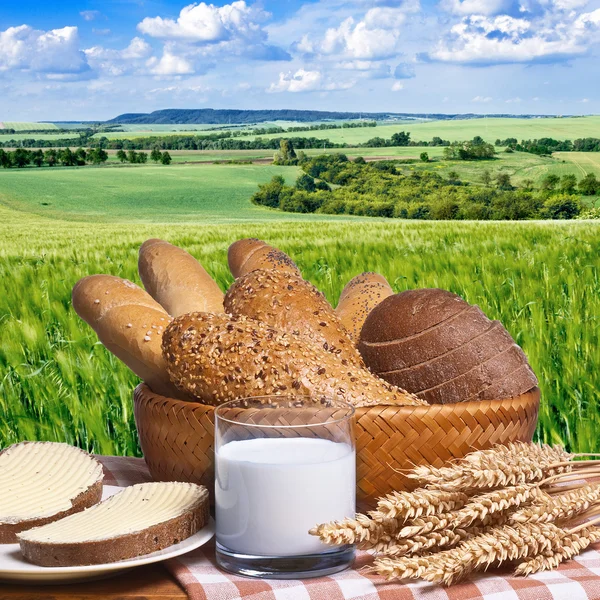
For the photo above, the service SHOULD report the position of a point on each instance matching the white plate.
(13, 567)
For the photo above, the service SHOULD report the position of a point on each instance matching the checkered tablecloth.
(203, 580)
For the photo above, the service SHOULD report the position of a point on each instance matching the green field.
(24, 126)
(540, 279)
(465, 129)
(151, 193)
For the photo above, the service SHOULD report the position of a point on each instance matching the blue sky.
(95, 59)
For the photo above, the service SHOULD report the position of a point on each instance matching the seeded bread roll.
(287, 302)
(360, 296)
(217, 358)
(129, 323)
(176, 280)
(439, 347)
(249, 254)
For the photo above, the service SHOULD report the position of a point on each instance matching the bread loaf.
(129, 323)
(218, 358)
(360, 296)
(442, 349)
(176, 280)
(249, 254)
(42, 482)
(288, 303)
(139, 520)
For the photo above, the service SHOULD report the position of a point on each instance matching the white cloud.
(397, 86)
(476, 7)
(170, 64)
(90, 15)
(105, 31)
(207, 23)
(404, 71)
(306, 81)
(119, 62)
(51, 52)
(505, 39)
(515, 100)
(483, 99)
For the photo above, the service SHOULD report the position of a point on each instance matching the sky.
(95, 59)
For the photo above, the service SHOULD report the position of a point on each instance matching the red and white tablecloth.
(202, 579)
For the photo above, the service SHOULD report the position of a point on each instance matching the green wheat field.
(541, 279)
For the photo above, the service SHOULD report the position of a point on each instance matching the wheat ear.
(361, 530)
(572, 545)
(497, 545)
(421, 502)
(500, 466)
(560, 507)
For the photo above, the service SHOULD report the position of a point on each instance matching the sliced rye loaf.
(139, 520)
(440, 339)
(477, 379)
(518, 382)
(450, 365)
(41, 482)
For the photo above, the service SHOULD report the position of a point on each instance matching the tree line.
(21, 157)
(383, 189)
(546, 146)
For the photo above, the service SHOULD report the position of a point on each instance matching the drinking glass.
(283, 465)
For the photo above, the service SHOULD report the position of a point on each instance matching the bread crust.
(218, 358)
(151, 539)
(130, 323)
(360, 296)
(176, 280)
(291, 304)
(249, 254)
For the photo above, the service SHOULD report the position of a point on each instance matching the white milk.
(271, 491)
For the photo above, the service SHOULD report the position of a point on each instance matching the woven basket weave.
(176, 437)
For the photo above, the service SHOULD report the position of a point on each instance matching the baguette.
(249, 254)
(360, 296)
(139, 520)
(129, 323)
(290, 304)
(176, 280)
(42, 482)
(218, 358)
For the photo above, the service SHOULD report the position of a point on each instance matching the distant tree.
(401, 138)
(568, 184)
(486, 178)
(527, 184)
(376, 142)
(550, 182)
(359, 160)
(142, 157)
(562, 206)
(424, 156)
(268, 193)
(156, 154)
(322, 185)
(503, 181)
(589, 185)
(5, 162)
(20, 158)
(453, 177)
(66, 157)
(37, 158)
(286, 154)
(478, 141)
(97, 156)
(51, 157)
(132, 156)
(165, 158)
(306, 182)
(80, 157)
(122, 156)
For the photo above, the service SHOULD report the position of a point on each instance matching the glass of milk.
(283, 465)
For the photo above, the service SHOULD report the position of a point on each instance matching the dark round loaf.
(438, 346)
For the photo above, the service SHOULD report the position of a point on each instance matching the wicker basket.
(176, 437)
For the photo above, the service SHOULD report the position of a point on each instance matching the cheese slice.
(140, 519)
(44, 481)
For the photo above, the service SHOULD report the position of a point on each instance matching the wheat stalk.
(421, 502)
(361, 530)
(559, 507)
(500, 466)
(493, 547)
(572, 545)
